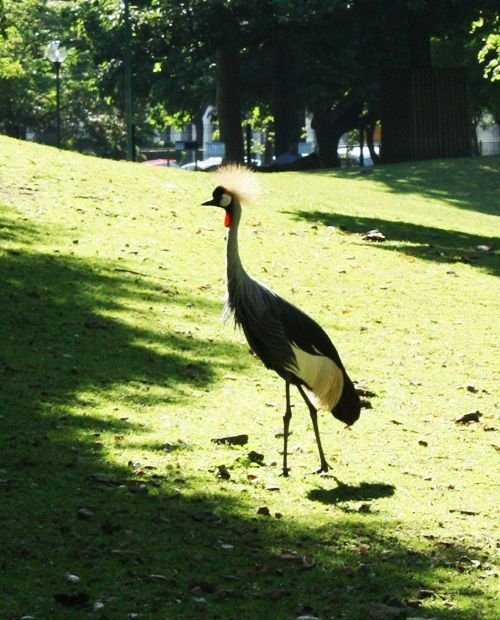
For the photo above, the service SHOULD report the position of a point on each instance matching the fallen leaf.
(73, 599)
(464, 511)
(199, 588)
(136, 486)
(233, 440)
(109, 528)
(374, 235)
(93, 323)
(465, 560)
(206, 517)
(223, 472)
(306, 612)
(424, 593)
(307, 562)
(379, 611)
(256, 457)
(124, 552)
(285, 554)
(444, 543)
(85, 514)
(469, 417)
(277, 595)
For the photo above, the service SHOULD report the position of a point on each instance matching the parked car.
(203, 164)
(171, 163)
(351, 154)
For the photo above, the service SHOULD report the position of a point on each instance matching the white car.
(203, 164)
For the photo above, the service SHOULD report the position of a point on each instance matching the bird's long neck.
(236, 274)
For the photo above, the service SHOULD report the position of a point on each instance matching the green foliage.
(489, 55)
(463, 47)
(335, 53)
(27, 97)
(22, 67)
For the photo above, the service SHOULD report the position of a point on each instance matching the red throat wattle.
(227, 220)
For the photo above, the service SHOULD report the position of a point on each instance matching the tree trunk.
(370, 131)
(228, 103)
(198, 123)
(419, 42)
(327, 138)
(329, 126)
(13, 130)
(287, 124)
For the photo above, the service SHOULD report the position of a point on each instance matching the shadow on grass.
(466, 183)
(365, 491)
(469, 183)
(424, 242)
(81, 534)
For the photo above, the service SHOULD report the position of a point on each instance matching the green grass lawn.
(116, 373)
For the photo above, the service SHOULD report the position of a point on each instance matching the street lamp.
(127, 60)
(57, 55)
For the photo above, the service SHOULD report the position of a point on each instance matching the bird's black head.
(221, 197)
(349, 406)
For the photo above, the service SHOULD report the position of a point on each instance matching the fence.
(424, 115)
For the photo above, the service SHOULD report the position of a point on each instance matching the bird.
(281, 335)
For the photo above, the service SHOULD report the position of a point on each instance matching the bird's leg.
(314, 417)
(286, 425)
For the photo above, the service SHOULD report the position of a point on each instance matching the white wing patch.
(323, 379)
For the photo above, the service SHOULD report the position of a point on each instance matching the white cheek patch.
(225, 200)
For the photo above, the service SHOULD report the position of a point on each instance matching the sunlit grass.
(117, 373)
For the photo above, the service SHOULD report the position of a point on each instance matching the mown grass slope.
(116, 374)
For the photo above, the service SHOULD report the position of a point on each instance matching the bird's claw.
(323, 470)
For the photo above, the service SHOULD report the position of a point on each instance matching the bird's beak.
(212, 203)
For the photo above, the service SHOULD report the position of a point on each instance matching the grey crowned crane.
(283, 337)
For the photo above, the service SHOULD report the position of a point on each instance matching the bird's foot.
(323, 469)
(285, 471)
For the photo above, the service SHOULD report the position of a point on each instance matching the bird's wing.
(257, 313)
(274, 328)
(303, 331)
(317, 363)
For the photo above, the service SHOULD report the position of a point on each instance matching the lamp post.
(127, 61)
(57, 55)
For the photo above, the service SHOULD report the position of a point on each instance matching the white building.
(488, 135)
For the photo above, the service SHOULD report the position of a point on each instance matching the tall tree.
(228, 102)
(326, 55)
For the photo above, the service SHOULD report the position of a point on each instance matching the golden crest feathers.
(240, 181)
